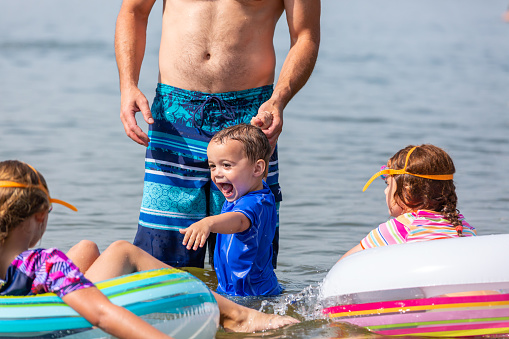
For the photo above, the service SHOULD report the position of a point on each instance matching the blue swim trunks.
(178, 190)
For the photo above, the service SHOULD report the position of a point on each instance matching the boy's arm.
(225, 223)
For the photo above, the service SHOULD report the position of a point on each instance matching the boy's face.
(232, 172)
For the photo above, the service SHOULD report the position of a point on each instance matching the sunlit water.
(389, 74)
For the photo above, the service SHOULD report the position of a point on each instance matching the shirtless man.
(216, 69)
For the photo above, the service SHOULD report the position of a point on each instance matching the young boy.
(238, 158)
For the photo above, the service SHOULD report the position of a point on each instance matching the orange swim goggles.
(4, 183)
(404, 171)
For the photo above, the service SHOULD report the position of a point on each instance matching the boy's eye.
(211, 166)
(226, 165)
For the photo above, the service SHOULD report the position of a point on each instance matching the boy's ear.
(259, 168)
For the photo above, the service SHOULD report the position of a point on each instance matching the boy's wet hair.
(422, 193)
(256, 144)
(18, 204)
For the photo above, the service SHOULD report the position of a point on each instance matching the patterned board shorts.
(178, 190)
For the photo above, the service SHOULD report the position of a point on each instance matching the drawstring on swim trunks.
(228, 114)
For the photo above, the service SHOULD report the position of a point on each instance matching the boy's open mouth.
(225, 188)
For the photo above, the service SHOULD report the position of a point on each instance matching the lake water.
(389, 74)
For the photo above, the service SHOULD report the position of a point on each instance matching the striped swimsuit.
(177, 189)
(415, 226)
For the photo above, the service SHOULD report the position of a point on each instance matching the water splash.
(307, 304)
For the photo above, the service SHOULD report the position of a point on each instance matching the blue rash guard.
(243, 261)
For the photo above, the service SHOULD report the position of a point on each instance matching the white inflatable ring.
(449, 287)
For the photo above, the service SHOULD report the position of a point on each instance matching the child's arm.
(94, 306)
(353, 250)
(225, 223)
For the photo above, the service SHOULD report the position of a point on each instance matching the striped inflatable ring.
(446, 288)
(171, 300)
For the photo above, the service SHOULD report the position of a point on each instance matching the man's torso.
(218, 46)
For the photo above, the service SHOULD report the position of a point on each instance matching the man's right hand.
(131, 102)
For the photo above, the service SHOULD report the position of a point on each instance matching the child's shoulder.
(40, 255)
(259, 197)
(420, 214)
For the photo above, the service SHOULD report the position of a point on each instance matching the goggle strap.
(408, 156)
(433, 176)
(376, 175)
(63, 203)
(403, 171)
(5, 183)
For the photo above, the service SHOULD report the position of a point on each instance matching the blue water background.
(389, 73)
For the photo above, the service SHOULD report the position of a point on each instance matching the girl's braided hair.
(421, 193)
(18, 204)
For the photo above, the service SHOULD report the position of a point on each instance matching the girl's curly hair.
(421, 193)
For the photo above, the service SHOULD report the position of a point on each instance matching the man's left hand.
(270, 120)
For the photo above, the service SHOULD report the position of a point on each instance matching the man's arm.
(224, 223)
(130, 40)
(303, 17)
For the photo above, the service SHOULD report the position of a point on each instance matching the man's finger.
(256, 122)
(132, 130)
(137, 135)
(145, 110)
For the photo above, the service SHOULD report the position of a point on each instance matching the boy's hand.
(196, 234)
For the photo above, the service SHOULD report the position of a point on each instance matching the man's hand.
(131, 102)
(196, 234)
(270, 121)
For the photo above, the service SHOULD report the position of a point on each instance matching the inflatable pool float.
(452, 287)
(171, 300)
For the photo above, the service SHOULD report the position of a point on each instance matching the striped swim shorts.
(177, 188)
